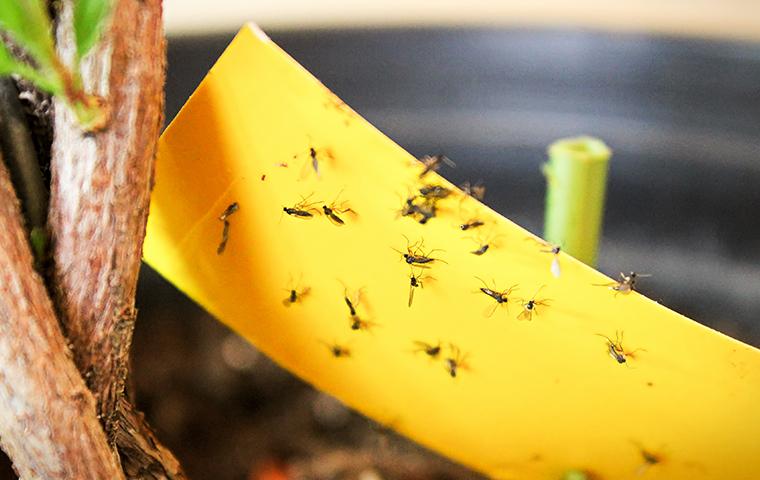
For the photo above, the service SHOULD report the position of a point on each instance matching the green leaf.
(11, 65)
(90, 17)
(28, 22)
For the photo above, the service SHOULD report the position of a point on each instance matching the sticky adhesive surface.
(532, 399)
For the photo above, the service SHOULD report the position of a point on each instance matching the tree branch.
(48, 422)
(100, 193)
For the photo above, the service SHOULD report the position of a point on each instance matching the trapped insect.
(303, 209)
(455, 361)
(430, 350)
(231, 208)
(352, 299)
(649, 459)
(470, 224)
(530, 307)
(501, 297)
(295, 294)
(626, 284)
(476, 191)
(433, 163)
(615, 349)
(416, 256)
(337, 350)
(484, 242)
(419, 208)
(356, 323)
(334, 209)
(554, 268)
(314, 157)
(415, 282)
(436, 192)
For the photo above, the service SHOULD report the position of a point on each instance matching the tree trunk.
(100, 193)
(48, 422)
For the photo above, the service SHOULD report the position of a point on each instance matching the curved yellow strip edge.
(533, 398)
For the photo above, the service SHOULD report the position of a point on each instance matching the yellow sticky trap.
(530, 399)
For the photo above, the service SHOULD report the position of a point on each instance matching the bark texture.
(48, 421)
(100, 192)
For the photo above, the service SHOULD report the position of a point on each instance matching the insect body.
(430, 350)
(554, 268)
(232, 208)
(434, 192)
(470, 224)
(649, 458)
(530, 307)
(455, 361)
(501, 297)
(303, 209)
(334, 209)
(295, 294)
(415, 256)
(626, 284)
(420, 208)
(476, 191)
(481, 250)
(433, 163)
(312, 163)
(415, 281)
(338, 351)
(484, 242)
(352, 300)
(615, 349)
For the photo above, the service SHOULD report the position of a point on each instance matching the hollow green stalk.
(576, 177)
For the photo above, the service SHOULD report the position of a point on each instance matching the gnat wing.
(555, 267)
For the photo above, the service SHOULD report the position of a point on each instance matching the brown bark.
(100, 192)
(48, 422)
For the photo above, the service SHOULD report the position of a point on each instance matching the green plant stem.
(576, 175)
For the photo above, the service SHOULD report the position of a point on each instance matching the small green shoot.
(27, 23)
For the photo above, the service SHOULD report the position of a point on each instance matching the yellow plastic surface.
(533, 399)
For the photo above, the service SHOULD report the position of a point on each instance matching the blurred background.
(673, 86)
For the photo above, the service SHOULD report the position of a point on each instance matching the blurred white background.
(711, 18)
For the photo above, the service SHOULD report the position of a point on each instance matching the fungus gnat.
(312, 163)
(303, 209)
(476, 191)
(484, 242)
(501, 297)
(626, 284)
(530, 306)
(295, 294)
(434, 192)
(415, 281)
(649, 459)
(357, 323)
(455, 361)
(334, 209)
(481, 250)
(224, 217)
(419, 208)
(430, 350)
(616, 350)
(554, 268)
(432, 163)
(352, 299)
(416, 256)
(470, 224)
(337, 350)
